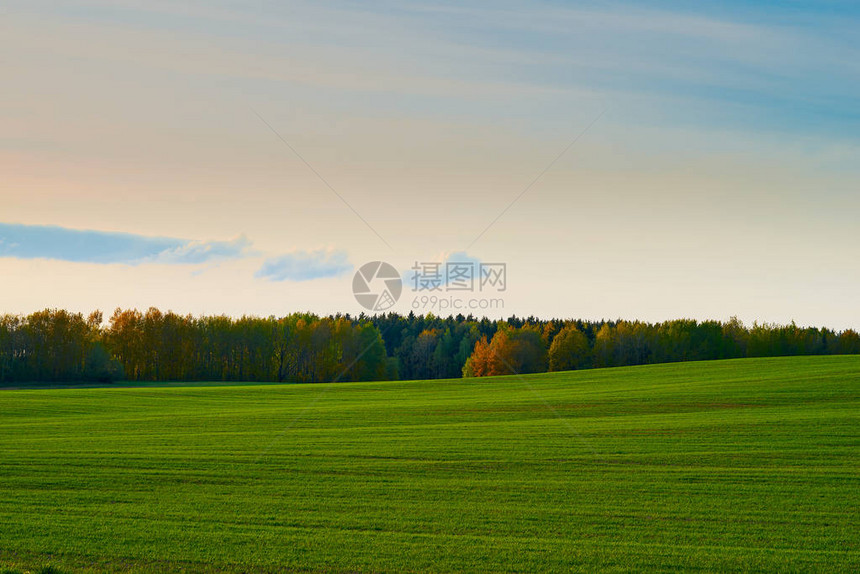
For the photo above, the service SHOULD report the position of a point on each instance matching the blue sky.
(783, 66)
(720, 171)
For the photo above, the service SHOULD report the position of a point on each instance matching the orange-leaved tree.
(511, 351)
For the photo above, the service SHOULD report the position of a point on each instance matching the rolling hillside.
(748, 464)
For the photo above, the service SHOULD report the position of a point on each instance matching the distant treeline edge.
(58, 346)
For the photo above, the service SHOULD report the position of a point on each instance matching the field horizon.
(740, 464)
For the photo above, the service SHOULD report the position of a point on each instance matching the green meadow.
(741, 465)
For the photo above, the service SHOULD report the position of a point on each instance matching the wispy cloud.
(92, 246)
(203, 251)
(305, 265)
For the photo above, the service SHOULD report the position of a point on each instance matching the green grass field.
(750, 465)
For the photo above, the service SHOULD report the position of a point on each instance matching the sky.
(639, 160)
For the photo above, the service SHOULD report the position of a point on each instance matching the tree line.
(561, 346)
(59, 346)
(56, 345)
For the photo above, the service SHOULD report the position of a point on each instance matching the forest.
(58, 346)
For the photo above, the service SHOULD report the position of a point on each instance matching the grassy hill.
(735, 465)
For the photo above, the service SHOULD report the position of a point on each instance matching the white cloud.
(93, 246)
(305, 265)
